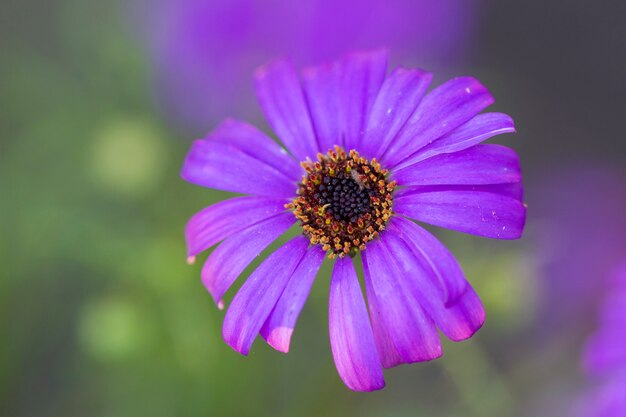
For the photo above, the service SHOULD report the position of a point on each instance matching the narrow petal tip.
(374, 386)
(191, 260)
(466, 332)
(221, 305)
(508, 124)
(237, 347)
(279, 338)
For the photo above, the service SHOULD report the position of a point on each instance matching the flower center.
(344, 201)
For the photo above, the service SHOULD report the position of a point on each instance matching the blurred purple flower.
(609, 400)
(203, 51)
(605, 354)
(577, 254)
(419, 157)
(606, 349)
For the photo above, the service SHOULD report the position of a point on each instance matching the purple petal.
(213, 164)
(280, 94)
(219, 221)
(259, 294)
(481, 164)
(514, 190)
(444, 266)
(478, 129)
(351, 337)
(440, 112)
(404, 333)
(321, 89)
(459, 320)
(233, 255)
(251, 141)
(398, 98)
(465, 316)
(478, 210)
(280, 324)
(362, 75)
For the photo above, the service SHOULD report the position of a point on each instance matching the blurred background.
(101, 316)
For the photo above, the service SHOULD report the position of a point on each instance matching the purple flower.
(203, 51)
(609, 400)
(605, 354)
(570, 251)
(413, 155)
(606, 349)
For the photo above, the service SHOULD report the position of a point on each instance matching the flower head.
(343, 202)
(366, 152)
